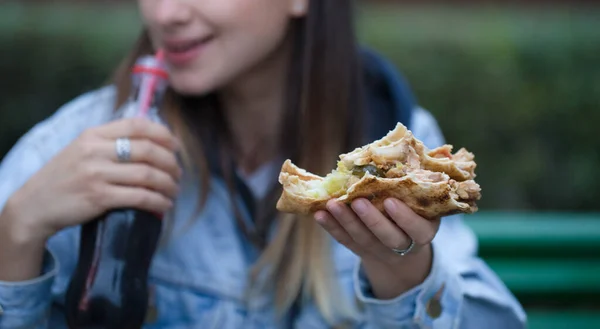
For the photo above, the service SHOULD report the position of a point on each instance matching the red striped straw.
(145, 107)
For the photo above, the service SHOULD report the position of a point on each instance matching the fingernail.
(360, 207)
(390, 205)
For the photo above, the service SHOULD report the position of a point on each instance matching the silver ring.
(123, 148)
(403, 252)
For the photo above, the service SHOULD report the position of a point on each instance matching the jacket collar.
(389, 99)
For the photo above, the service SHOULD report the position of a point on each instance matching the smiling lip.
(183, 52)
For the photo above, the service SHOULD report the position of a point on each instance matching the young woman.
(253, 82)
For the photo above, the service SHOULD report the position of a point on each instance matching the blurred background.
(516, 82)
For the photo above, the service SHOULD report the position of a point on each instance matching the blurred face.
(210, 43)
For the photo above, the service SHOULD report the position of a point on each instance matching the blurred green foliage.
(519, 88)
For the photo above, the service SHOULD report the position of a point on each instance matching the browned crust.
(292, 170)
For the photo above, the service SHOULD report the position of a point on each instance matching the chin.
(195, 83)
(191, 88)
(187, 90)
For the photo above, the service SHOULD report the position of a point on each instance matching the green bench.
(550, 261)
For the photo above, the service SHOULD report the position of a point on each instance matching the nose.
(170, 13)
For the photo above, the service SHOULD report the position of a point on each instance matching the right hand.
(86, 179)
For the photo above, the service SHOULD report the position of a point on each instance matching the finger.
(142, 175)
(383, 228)
(337, 231)
(145, 151)
(354, 226)
(135, 197)
(138, 128)
(421, 230)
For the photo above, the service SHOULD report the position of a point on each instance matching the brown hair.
(323, 114)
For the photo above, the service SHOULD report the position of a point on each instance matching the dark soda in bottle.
(108, 289)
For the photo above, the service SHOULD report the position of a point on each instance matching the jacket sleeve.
(29, 304)
(24, 304)
(461, 291)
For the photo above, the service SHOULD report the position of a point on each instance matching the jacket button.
(151, 314)
(434, 308)
(151, 311)
(434, 305)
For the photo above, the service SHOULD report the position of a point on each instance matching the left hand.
(372, 235)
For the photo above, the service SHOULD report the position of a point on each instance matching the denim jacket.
(198, 279)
